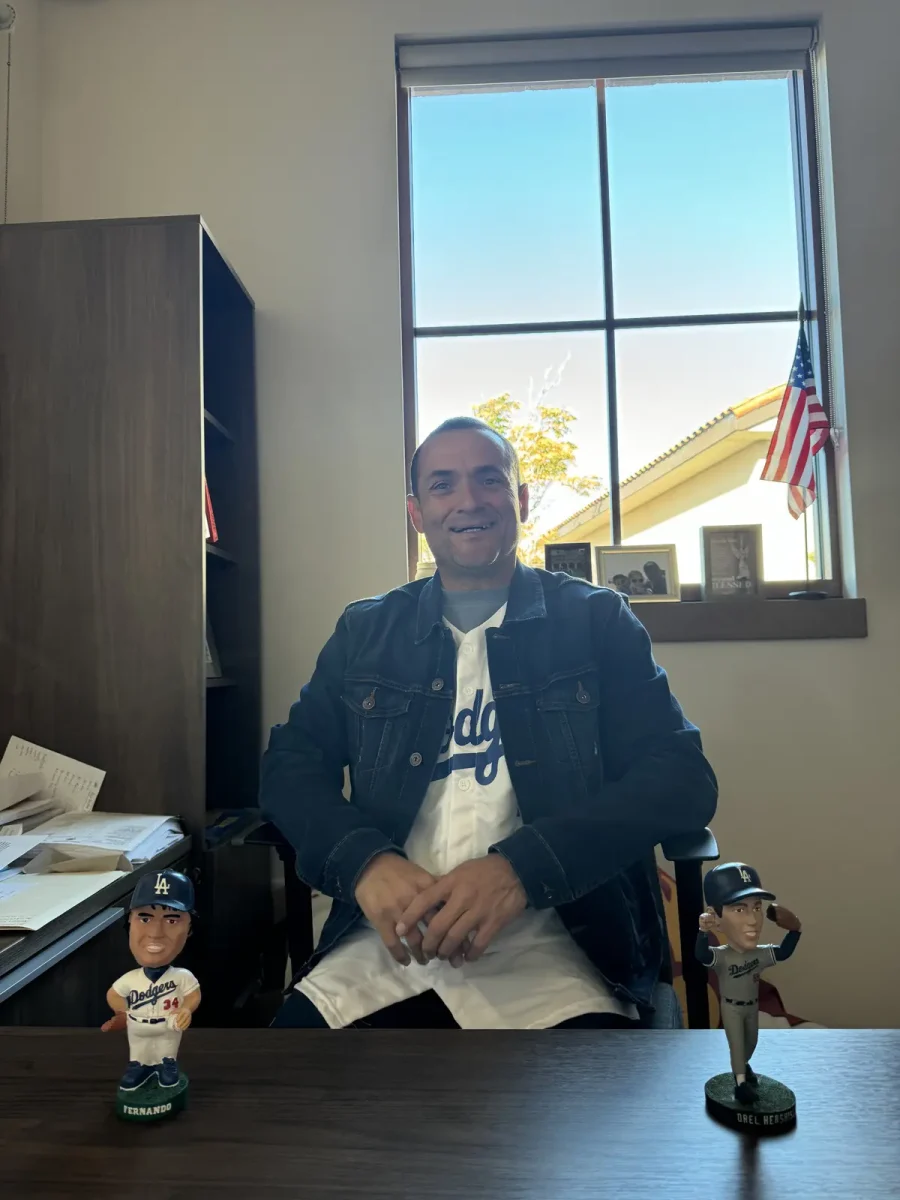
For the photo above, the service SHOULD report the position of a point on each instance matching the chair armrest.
(261, 833)
(697, 846)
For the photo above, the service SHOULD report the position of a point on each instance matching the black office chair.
(687, 852)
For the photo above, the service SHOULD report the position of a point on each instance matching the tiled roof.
(742, 409)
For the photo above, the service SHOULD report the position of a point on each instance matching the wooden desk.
(561, 1115)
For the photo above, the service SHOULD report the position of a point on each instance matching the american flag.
(800, 433)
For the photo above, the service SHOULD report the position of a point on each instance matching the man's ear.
(524, 502)
(415, 513)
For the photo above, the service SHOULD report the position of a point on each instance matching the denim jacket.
(602, 760)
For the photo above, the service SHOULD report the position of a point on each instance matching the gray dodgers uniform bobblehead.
(735, 913)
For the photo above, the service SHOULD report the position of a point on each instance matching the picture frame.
(618, 568)
(731, 562)
(572, 557)
(213, 666)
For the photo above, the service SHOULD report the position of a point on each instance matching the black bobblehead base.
(774, 1111)
(151, 1102)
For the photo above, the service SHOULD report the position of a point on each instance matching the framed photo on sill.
(639, 572)
(572, 557)
(732, 562)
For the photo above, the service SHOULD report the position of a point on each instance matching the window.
(613, 266)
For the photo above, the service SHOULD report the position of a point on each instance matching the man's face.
(469, 505)
(741, 924)
(156, 935)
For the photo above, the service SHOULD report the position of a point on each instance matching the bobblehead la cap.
(170, 889)
(731, 882)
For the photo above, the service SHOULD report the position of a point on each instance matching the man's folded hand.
(464, 910)
(385, 890)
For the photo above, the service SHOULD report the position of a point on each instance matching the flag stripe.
(801, 432)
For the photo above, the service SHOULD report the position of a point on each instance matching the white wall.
(23, 56)
(277, 122)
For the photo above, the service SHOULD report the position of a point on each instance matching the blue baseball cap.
(731, 882)
(169, 889)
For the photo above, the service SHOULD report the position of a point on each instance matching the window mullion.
(615, 504)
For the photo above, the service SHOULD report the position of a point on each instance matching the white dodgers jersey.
(163, 997)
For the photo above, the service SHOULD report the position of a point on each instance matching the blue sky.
(506, 222)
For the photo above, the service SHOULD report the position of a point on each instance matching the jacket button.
(437, 685)
(582, 696)
(369, 702)
(415, 759)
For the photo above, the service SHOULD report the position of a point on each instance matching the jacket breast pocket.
(568, 710)
(377, 724)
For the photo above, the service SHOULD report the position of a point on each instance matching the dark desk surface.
(561, 1115)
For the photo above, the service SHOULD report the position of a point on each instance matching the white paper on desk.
(71, 784)
(30, 808)
(124, 832)
(29, 902)
(76, 858)
(18, 787)
(11, 830)
(13, 848)
(159, 840)
(32, 813)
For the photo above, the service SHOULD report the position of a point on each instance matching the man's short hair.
(453, 423)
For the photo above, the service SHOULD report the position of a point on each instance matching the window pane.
(696, 412)
(530, 379)
(702, 197)
(505, 203)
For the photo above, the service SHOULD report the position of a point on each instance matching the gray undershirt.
(468, 610)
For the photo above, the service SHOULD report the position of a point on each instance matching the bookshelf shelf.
(217, 425)
(217, 552)
(219, 681)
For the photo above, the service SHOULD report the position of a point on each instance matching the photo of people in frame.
(639, 572)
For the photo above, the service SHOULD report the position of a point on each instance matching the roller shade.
(604, 56)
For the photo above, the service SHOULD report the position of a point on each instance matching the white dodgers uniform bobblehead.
(157, 999)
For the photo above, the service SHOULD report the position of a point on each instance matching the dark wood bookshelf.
(127, 375)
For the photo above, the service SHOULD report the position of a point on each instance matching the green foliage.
(542, 440)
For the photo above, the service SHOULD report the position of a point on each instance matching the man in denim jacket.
(514, 755)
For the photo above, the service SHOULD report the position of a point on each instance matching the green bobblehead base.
(774, 1111)
(150, 1102)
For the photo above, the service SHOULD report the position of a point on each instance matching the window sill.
(752, 620)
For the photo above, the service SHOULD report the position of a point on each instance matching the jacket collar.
(526, 601)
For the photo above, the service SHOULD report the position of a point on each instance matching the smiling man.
(514, 755)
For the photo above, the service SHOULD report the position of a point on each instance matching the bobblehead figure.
(735, 913)
(155, 1002)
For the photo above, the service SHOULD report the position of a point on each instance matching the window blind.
(604, 56)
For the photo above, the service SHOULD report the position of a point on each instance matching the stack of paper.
(134, 835)
(55, 850)
(14, 848)
(22, 803)
(36, 783)
(29, 902)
